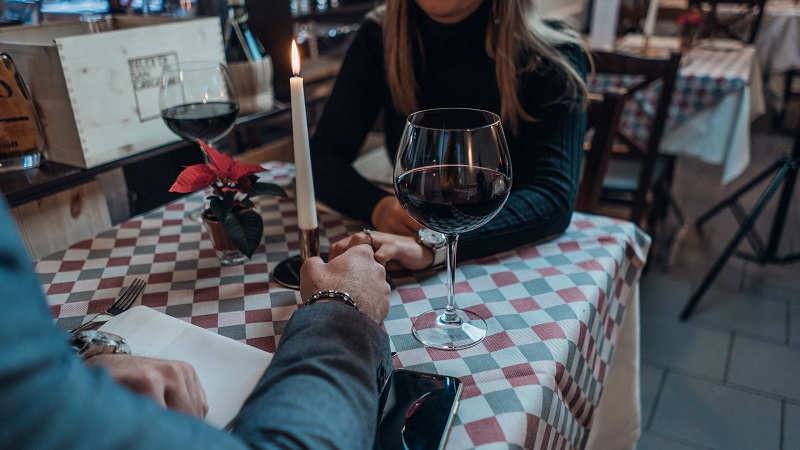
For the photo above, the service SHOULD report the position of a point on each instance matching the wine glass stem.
(450, 316)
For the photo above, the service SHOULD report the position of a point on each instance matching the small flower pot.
(686, 37)
(227, 252)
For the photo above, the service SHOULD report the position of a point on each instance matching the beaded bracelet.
(331, 294)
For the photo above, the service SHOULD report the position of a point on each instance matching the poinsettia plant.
(691, 19)
(233, 184)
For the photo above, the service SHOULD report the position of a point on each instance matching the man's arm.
(50, 399)
(331, 361)
(327, 369)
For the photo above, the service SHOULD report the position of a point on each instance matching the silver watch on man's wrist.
(434, 241)
(90, 343)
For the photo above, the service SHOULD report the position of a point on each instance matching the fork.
(122, 304)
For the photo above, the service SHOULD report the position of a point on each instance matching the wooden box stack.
(97, 94)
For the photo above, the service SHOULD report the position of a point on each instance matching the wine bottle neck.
(238, 14)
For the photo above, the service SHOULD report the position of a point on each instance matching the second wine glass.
(452, 174)
(197, 100)
(198, 103)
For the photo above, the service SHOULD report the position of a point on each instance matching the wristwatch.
(90, 343)
(434, 241)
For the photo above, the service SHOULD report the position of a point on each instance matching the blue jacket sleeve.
(50, 399)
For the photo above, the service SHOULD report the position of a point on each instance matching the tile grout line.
(728, 359)
(788, 324)
(657, 398)
(675, 439)
(783, 425)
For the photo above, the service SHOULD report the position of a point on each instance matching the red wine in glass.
(206, 122)
(452, 199)
(197, 100)
(452, 174)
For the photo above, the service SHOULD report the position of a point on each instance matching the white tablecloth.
(720, 134)
(617, 424)
(703, 123)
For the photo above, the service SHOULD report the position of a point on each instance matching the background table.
(555, 312)
(778, 43)
(717, 95)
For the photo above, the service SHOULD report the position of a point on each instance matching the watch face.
(433, 238)
(93, 342)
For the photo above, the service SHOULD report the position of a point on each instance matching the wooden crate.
(53, 223)
(97, 94)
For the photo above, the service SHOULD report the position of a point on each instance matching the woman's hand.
(172, 384)
(389, 217)
(389, 248)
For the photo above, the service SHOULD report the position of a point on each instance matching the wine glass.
(452, 174)
(197, 100)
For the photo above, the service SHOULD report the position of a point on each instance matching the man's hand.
(389, 217)
(391, 250)
(172, 384)
(356, 272)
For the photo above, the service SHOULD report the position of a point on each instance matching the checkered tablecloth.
(705, 77)
(554, 310)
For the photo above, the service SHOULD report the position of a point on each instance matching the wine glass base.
(433, 332)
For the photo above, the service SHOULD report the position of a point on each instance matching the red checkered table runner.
(705, 77)
(554, 310)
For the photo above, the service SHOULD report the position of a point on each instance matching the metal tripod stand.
(785, 169)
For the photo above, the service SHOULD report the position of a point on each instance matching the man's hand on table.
(389, 217)
(354, 271)
(172, 384)
(391, 250)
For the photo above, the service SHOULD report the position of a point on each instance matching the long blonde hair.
(514, 34)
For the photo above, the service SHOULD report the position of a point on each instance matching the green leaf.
(215, 205)
(245, 228)
(268, 189)
(227, 204)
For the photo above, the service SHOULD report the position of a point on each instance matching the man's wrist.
(90, 343)
(331, 295)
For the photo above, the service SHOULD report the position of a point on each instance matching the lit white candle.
(650, 20)
(306, 202)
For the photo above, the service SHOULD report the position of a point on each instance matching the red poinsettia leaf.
(222, 163)
(242, 170)
(193, 178)
(244, 185)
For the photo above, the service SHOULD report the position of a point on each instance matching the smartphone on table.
(416, 410)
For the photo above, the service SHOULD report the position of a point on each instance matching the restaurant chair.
(741, 24)
(638, 177)
(788, 95)
(602, 117)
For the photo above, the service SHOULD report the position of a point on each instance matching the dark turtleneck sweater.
(456, 71)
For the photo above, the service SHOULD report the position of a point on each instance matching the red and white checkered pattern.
(706, 76)
(553, 310)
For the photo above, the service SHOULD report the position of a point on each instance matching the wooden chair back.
(730, 25)
(602, 118)
(648, 71)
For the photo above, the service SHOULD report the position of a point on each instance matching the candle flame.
(295, 60)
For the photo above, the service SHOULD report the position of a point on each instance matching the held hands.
(389, 217)
(355, 272)
(391, 250)
(172, 384)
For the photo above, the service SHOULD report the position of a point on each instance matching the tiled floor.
(729, 377)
